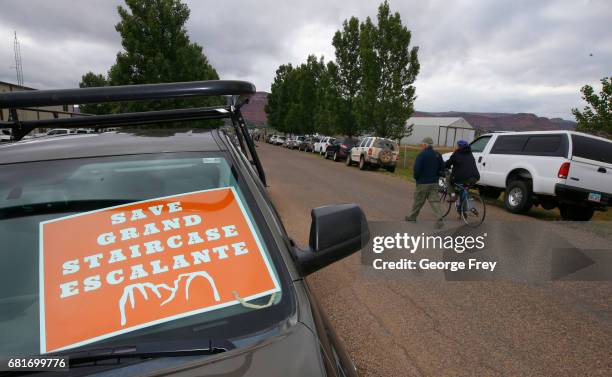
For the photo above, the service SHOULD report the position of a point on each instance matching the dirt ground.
(421, 328)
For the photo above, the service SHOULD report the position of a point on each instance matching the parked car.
(5, 134)
(280, 140)
(253, 316)
(308, 144)
(321, 145)
(374, 152)
(339, 149)
(59, 131)
(294, 142)
(565, 169)
(84, 131)
(285, 143)
(303, 145)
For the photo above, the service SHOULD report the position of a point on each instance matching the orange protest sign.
(115, 270)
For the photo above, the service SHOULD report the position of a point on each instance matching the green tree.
(389, 68)
(596, 118)
(157, 49)
(348, 74)
(92, 80)
(299, 102)
(279, 98)
(330, 110)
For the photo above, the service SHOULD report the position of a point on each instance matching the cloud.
(519, 56)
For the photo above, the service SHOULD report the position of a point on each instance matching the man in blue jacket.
(428, 168)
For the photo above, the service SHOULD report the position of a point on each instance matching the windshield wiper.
(44, 208)
(196, 347)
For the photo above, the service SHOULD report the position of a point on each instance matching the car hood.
(294, 353)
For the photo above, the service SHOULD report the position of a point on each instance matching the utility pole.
(18, 67)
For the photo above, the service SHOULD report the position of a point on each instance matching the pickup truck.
(568, 170)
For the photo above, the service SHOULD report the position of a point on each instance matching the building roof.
(438, 121)
(9, 84)
(108, 144)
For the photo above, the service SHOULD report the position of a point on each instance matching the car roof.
(546, 132)
(108, 144)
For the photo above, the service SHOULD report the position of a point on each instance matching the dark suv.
(117, 243)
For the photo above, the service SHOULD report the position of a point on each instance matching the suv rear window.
(385, 144)
(592, 149)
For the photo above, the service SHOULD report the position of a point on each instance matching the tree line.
(368, 88)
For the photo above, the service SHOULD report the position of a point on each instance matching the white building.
(445, 131)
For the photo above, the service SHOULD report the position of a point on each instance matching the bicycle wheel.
(443, 202)
(473, 210)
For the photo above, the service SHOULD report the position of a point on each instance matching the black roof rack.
(236, 91)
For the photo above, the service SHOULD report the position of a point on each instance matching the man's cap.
(428, 141)
(462, 143)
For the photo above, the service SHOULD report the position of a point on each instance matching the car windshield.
(123, 290)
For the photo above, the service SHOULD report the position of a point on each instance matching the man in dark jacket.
(464, 170)
(427, 169)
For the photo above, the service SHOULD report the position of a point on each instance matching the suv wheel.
(518, 197)
(363, 165)
(573, 212)
(390, 169)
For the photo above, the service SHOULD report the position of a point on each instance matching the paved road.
(416, 328)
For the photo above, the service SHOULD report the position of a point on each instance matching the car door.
(478, 147)
(505, 151)
(356, 152)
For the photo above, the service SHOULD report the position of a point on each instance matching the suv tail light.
(369, 151)
(564, 170)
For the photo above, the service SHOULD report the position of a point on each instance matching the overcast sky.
(486, 56)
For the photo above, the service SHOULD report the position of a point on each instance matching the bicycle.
(469, 205)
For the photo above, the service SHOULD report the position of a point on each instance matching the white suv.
(321, 145)
(374, 152)
(565, 169)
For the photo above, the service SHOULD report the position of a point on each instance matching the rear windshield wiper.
(150, 351)
(36, 209)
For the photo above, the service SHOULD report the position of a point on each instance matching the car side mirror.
(336, 231)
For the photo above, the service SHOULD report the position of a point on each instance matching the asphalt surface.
(395, 327)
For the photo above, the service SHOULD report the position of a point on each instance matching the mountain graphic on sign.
(156, 289)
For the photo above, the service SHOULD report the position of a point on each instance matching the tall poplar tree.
(347, 77)
(389, 68)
